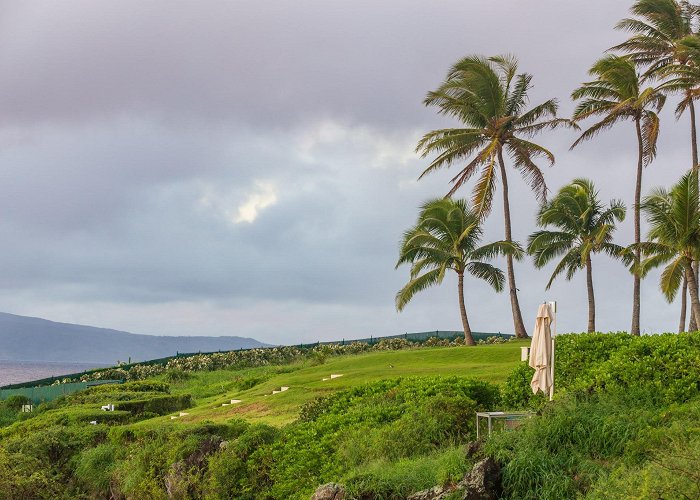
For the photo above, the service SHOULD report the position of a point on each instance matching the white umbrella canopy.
(541, 351)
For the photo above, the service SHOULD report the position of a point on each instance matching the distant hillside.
(34, 339)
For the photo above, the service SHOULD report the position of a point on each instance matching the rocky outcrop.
(330, 491)
(434, 493)
(483, 482)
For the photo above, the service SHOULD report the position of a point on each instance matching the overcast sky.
(247, 168)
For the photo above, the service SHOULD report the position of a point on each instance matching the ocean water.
(14, 372)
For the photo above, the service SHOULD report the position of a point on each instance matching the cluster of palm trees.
(489, 97)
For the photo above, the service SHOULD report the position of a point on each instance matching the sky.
(247, 168)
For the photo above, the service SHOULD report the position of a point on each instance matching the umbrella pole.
(554, 334)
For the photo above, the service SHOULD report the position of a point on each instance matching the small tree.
(446, 237)
(584, 226)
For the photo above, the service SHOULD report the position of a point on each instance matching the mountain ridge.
(29, 338)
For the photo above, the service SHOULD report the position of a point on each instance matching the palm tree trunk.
(468, 339)
(591, 296)
(636, 301)
(693, 133)
(684, 300)
(518, 324)
(693, 288)
(693, 324)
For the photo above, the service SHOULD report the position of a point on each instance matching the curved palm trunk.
(684, 297)
(591, 296)
(693, 324)
(693, 288)
(637, 252)
(468, 339)
(520, 331)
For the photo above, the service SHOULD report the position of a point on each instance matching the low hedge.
(160, 405)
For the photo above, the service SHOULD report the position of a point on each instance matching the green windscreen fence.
(50, 392)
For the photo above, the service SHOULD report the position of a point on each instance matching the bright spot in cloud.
(228, 205)
(264, 195)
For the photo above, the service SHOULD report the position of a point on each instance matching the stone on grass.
(330, 491)
(483, 482)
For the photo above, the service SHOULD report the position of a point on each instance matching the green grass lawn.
(211, 389)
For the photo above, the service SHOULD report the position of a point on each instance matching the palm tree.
(489, 98)
(584, 227)
(616, 95)
(674, 236)
(446, 237)
(663, 36)
(660, 34)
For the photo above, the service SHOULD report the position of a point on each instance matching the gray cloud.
(247, 167)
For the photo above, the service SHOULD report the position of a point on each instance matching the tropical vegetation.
(489, 97)
(624, 404)
(446, 237)
(391, 419)
(584, 227)
(674, 236)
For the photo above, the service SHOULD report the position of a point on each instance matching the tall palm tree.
(685, 78)
(616, 95)
(584, 227)
(660, 33)
(489, 97)
(674, 236)
(446, 237)
(663, 31)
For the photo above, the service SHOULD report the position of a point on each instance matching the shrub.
(160, 405)
(666, 365)
(561, 453)
(137, 386)
(382, 479)
(15, 402)
(516, 392)
(176, 375)
(233, 473)
(94, 468)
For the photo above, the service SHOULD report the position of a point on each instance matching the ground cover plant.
(395, 423)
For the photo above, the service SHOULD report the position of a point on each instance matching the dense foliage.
(625, 404)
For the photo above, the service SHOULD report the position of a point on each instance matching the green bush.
(666, 365)
(25, 476)
(16, 402)
(384, 479)
(562, 452)
(235, 472)
(94, 468)
(136, 386)
(177, 375)
(159, 405)
(516, 392)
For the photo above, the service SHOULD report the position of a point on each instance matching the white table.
(506, 416)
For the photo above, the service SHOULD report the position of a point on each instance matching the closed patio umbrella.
(541, 358)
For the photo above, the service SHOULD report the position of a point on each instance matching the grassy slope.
(211, 389)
